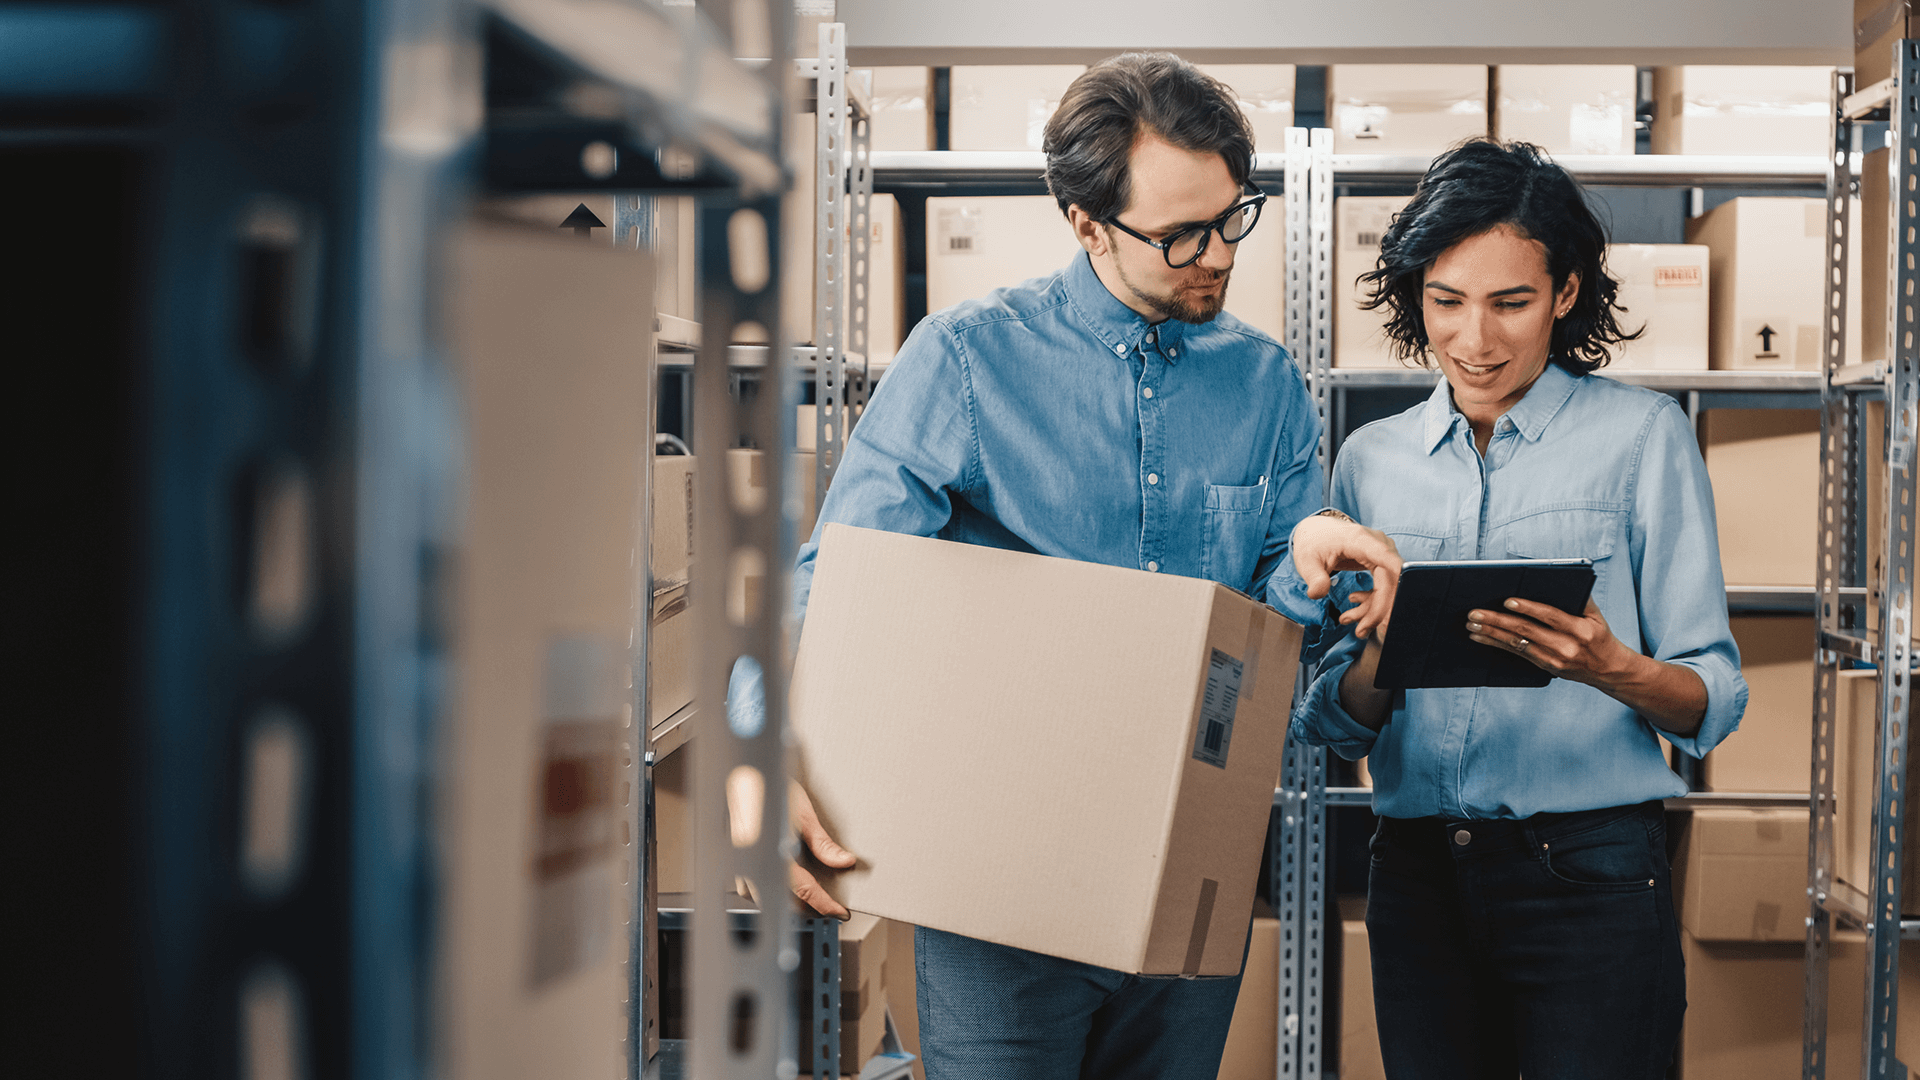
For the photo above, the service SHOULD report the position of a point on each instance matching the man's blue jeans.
(992, 1012)
(1544, 947)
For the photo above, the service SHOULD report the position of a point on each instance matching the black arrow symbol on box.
(582, 221)
(1766, 332)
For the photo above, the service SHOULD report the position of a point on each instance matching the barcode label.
(1664, 276)
(1366, 239)
(1217, 707)
(959, 243)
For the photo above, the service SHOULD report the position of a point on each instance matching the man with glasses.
(1111, 412)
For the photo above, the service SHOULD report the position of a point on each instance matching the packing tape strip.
(1202, 918)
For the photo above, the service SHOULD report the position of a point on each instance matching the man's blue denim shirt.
(1582, 467)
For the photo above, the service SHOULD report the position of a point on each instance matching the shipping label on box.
(1741, 875)
(1772, 749)
(1567, 108)
(1765, 468)
(1405, 108)
(978, 722)
(1359, 338)
(1664, 291)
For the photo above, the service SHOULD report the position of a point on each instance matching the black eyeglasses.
(1185, 247)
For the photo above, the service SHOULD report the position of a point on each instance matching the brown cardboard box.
(670, 654)
(1265, 93)
(672, 520)
(1253, 1041)
(1405, 108)
(1665, 290)
(1359, 1035)
(672, 828)
(901, 118)
(548, 339)
(1768, 267)
(1722, 109)
(1877, 24)
(1765, 465)
(1358, 222)
(1770, 751)
(977, 245)
(886, 281)
(1004, 107)
(1741, 875)
(1856, 719)
(978, 722)
(863, 994)
(1566, 108)
(1871, 239)
(1745, 1004)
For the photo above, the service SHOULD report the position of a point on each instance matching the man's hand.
(814, 837)
(1324, 546)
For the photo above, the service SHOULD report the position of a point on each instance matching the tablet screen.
(1427, 645)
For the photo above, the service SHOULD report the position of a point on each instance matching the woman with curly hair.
(1519, 907)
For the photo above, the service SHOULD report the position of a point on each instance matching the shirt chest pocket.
(1573, 532)
(1233, 532)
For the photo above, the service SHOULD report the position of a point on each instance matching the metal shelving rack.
(1848, 587)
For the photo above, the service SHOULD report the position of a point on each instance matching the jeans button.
(1462, 837)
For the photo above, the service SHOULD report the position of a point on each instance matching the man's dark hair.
(1090, 137)
(1479, 185)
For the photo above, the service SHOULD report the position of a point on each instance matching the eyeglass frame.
(1256, 199)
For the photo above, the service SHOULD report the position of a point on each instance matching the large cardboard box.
(1871, 239)
(863, 994)
(1771, 750)
(1004, 107)
(974, 722)
(1566, 108)
(1768, 269)
(1856, 723)
(1720, 109)
(886, 281)
(1359, 1034)
(1253, 1041)
(1877, 24)
(1741, 875)
(1746, 1001)
(902, 119)
(549, 336)
(1265, 93)
(1358, 223)
(1765, 467)
(977, 245)
(1665, 290)
(1405, 108)
(670, 675)
(672, 520)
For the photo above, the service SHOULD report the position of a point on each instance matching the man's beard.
(1182, 304)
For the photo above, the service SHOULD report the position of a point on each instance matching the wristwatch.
(1332, 513)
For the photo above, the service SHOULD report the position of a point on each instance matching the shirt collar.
(1530, 416)
(1120, 328)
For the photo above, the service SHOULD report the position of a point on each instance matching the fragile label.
(1216, 710)
(1667, 276)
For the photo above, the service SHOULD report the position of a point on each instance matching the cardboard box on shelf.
(1359, 1034)
(1566, 108)
(1771, 750)
(1741, 874)
(1745, 1003)
(1765, 466)
(1664, 289)
(1004, 107)
(1856, 723)
(677, 292)
(1253, 1044)
(670, 674)
(1877, 26)
(863, 994)
(1405, 108)
(1876, 336)
(1873, 456)
(1358, 222)
(747, 476)
(672, 519)
(672, 828)
(886, 281)
(1722, 109)
(901, 117)
(1265, 93)
(977, 245)
(1768, 267)
(1131, 728)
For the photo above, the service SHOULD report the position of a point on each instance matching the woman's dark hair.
(1089, 138)
(1479, 185)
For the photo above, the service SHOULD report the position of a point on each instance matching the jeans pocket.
(1617, 856)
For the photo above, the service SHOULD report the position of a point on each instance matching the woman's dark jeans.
(1544, 947)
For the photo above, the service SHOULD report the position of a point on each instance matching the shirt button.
(1147, 393)
(1153, 478)
(1173, 352)
(1463, 837)
(1153, 567)
(1151, 338)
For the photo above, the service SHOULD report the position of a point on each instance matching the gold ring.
(1522, 644)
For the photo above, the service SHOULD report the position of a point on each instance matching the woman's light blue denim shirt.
(1582, 467)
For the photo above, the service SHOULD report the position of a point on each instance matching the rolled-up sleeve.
(1320, 719)
(1675, 548)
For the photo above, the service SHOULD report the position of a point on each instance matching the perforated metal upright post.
(1837, 410)
(740, 992)
(830, 256)
(855, 389)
